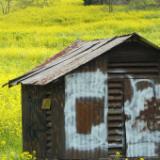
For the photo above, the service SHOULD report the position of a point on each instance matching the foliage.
(29, 36)
(5, 6)
(21, 156)
(141, 4)
(38, 3)
(146, 2)
(132, 4)
(118, 156)
(11, 5)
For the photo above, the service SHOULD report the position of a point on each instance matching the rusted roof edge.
(19, 79)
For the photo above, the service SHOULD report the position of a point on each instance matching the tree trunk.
(2, 7)
(8, 6)
(110, 6)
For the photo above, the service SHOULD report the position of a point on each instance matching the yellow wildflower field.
(29, 36)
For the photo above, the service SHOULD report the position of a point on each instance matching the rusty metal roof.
(79, 53)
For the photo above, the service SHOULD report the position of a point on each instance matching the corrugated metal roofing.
(71, 58)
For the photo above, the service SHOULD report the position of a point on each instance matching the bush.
(88, 2)
(139, 4)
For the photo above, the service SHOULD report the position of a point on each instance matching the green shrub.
(140, 4)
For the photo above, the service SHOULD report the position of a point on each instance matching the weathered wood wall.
(86, 111)
(33, 120)
(43, 130)
(137, 66)
(46, 131)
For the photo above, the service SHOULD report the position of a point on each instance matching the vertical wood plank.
(26, 119)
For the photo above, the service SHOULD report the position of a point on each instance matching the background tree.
(88, 2)
(5, 6)
(36, 3)
(110, 4)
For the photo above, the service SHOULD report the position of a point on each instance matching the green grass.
(29, 36)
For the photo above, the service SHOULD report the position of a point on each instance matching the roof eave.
(22, 78)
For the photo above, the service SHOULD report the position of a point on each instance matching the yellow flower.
(3, 158)
(118, 153)
(3, 143)
(34, 152)
(141, 158)
(26, 155)
(12, 154)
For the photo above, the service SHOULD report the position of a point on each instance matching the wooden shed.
(92, 99)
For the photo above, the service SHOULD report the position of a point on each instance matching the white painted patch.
(140, 142)
(87, 84)
(141, 149)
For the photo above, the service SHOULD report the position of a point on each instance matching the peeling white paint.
(87, 84)
(140, 142)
